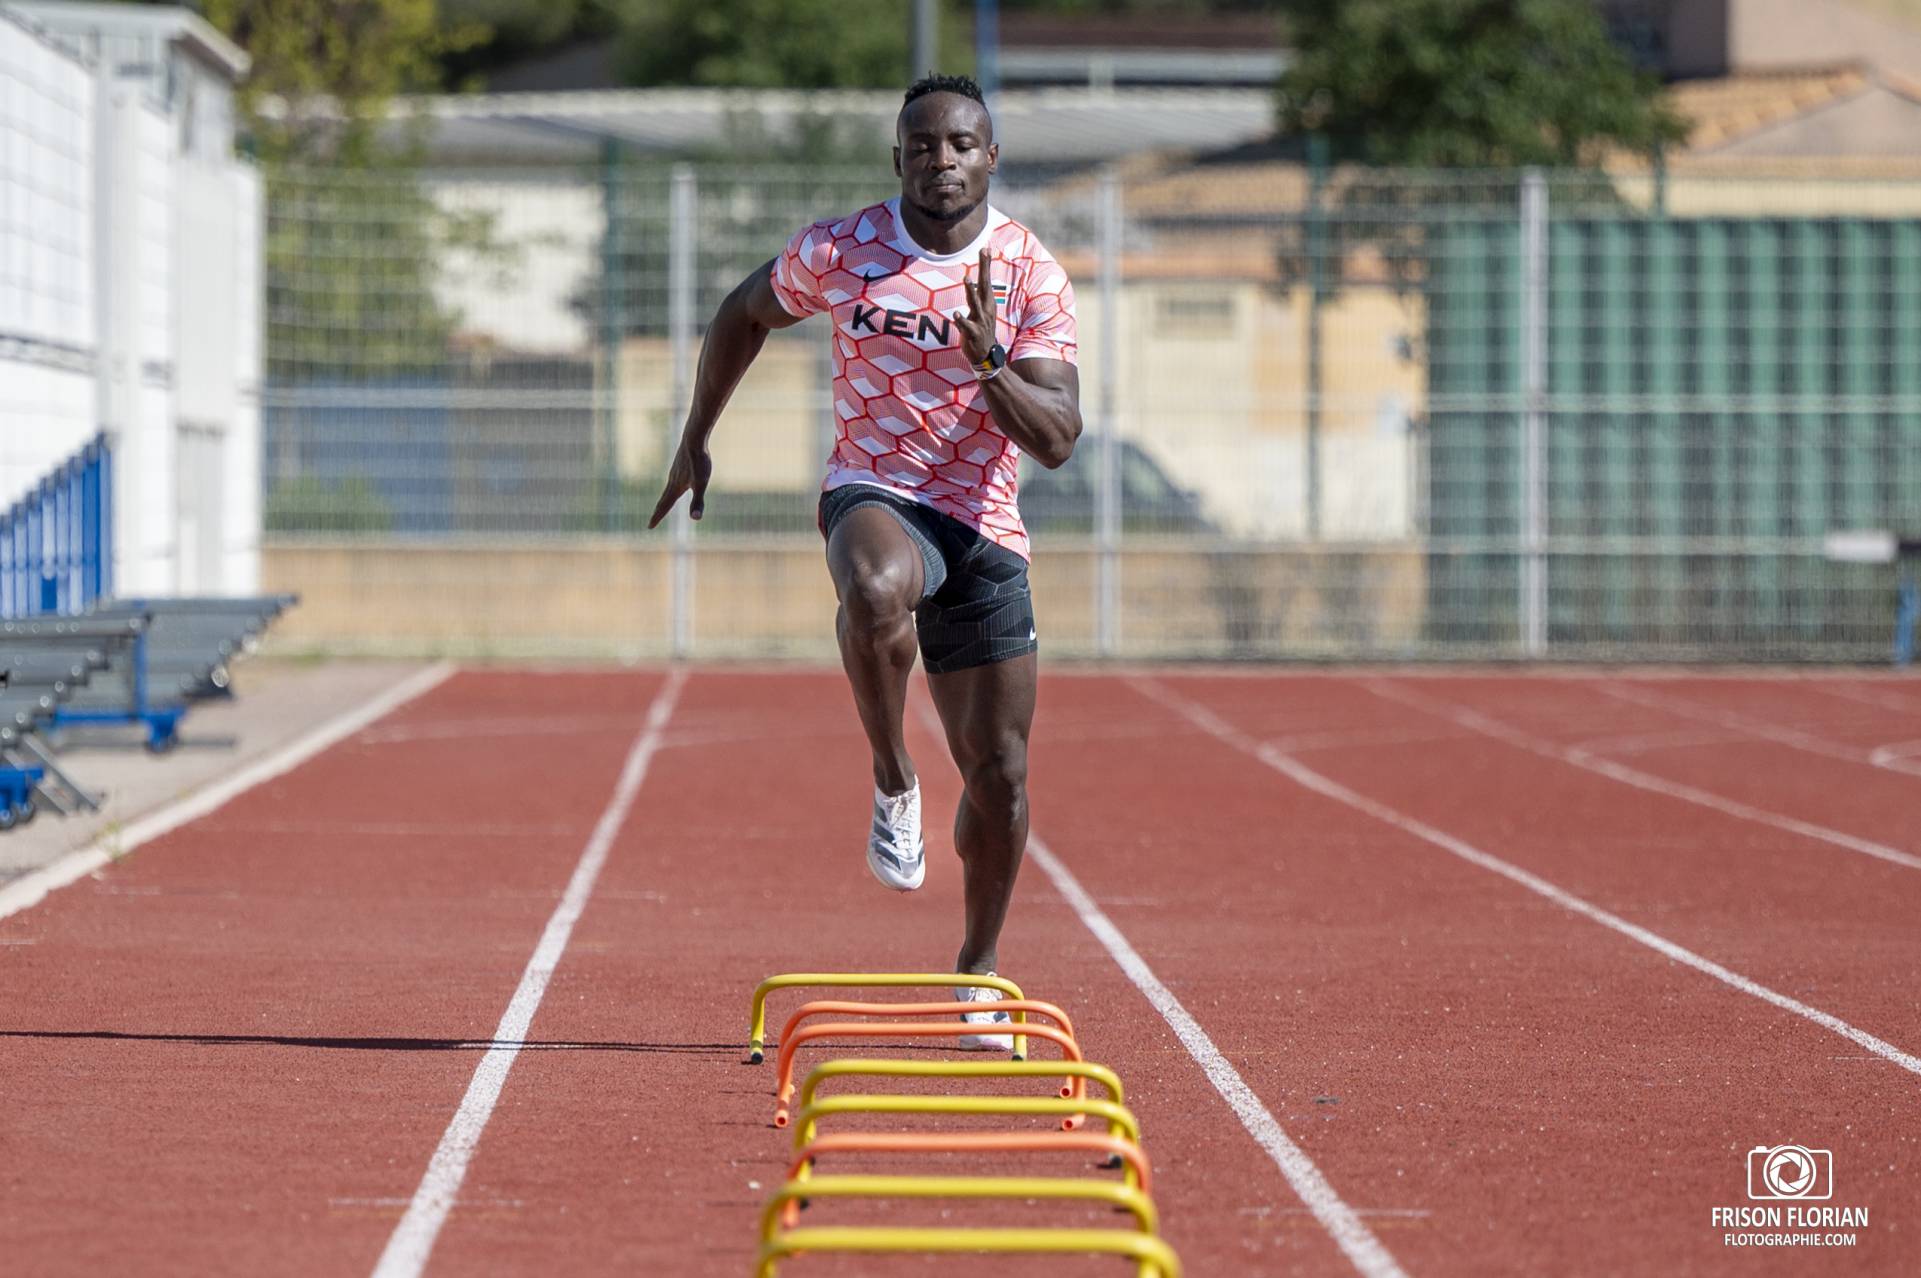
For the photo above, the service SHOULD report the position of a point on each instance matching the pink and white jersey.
(911, 416)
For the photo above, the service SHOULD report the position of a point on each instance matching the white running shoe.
(983, 1042)
(895, 851)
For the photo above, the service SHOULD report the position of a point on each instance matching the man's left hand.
(977, 325)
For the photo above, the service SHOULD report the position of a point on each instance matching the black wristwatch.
(996, 360)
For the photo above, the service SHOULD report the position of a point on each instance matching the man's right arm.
(738, 332)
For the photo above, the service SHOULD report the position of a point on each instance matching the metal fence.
(55, 542)
(1329, 413)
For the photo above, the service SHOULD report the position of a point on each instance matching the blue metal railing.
(56, 543)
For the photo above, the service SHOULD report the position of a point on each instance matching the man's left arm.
(1037, 404)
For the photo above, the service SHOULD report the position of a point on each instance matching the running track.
(1480, 974)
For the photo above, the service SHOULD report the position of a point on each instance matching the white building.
(130, 281)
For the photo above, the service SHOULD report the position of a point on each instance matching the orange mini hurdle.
(1018, 1008)
(793, 1034)
(878, 1029)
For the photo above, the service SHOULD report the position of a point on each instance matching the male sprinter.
(954, 352)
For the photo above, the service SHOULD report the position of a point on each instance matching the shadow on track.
(372, 1044)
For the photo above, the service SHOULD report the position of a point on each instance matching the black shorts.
(975, 607)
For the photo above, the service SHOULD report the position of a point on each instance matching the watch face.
(997, 355)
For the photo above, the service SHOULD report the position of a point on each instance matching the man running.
(954, 352)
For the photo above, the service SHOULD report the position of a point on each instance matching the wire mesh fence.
(1337, 413)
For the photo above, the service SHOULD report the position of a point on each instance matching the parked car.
(1062, 501)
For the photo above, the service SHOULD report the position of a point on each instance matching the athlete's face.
(944, 154)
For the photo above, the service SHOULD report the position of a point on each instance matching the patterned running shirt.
(910, 415)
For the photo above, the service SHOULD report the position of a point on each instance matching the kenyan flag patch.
(1000, 292)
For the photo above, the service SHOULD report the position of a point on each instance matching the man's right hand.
(690, 470)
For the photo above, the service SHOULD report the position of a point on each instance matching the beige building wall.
(1779, 34)
(1715, 37)
(1213, 383)
(771, 437)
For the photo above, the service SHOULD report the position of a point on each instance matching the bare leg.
(877, 575)
(987, 712)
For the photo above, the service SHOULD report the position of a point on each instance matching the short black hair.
(961, 84)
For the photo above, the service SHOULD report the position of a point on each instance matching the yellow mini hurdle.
(1131, 1158)
(757, 1012)
(1078, 1072)
(1136, 1173)
(917, 1023)
(1115, 1144)
(1112, 1192)
(1152, 1257)
(1120, 1120)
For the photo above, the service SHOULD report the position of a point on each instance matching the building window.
(1194, 316)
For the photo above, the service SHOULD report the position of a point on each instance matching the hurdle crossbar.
(1120, 1119)
(790, 1045)
(1078, 1073)
(1153, 1258)
(1136, 1171)
(1114, 1193)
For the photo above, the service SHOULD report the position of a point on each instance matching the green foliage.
(519, 23)
(309, 505)
(785, 44)
(1465, 83)
(324, 72)
(352, 238)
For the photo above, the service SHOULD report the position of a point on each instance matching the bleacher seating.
(76, 657)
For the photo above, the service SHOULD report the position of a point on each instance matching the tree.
(1465, 83)
(353, 241)
(779, 44)
(324, 72)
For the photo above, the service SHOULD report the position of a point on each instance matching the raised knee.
(878, 594)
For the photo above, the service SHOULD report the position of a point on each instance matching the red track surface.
(235, 1051)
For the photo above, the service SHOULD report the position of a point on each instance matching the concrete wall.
(610, 598)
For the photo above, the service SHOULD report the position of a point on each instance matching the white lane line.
(1882, 698)
(1341, 1221)
(413, 1239)
(1640, 742)
(1896, 756)
(1635, 777)
(461, 729)
(30, 889)
(1308, 778)
(1780, 734)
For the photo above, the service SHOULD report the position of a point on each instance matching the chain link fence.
(1329, 414)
